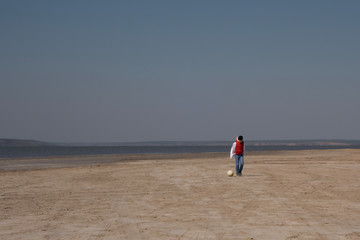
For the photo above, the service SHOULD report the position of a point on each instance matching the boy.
(237, 149)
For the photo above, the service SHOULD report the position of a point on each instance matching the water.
(57, 151)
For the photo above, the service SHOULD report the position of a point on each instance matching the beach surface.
(311, 194)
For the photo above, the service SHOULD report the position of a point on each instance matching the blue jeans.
(239, 159)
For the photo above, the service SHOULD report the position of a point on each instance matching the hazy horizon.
(135, 71)
(189, 141)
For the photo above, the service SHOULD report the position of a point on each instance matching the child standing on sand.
(237, 149)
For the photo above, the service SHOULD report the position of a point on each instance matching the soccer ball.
(230, 173)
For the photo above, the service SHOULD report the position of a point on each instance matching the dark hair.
(240, 138)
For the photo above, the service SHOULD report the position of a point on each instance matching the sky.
(128, 71)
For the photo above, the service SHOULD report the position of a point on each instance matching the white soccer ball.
(230, 173)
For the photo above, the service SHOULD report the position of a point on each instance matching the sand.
(281, 195)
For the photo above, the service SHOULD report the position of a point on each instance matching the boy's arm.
(232, 150)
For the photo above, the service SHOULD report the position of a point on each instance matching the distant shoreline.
(314, 142)
(49, 162)
(64, 151)
(38, 163)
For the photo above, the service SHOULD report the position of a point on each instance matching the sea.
(7, 152)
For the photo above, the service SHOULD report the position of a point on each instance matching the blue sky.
(101, 71)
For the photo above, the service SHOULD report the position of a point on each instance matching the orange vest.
(239, 149)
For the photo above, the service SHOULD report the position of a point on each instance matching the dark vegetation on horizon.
(34, 143)
(22, 143)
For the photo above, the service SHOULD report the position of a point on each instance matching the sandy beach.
(313, 194)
